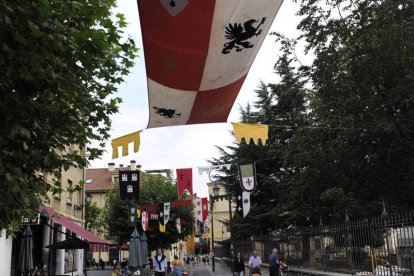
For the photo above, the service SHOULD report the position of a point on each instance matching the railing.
(382, 245)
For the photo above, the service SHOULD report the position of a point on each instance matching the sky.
(187, 146)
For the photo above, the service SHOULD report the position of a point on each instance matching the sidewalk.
(207, 270)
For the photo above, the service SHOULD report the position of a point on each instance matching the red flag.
(185, 181)
(181, 203)
(150, 208)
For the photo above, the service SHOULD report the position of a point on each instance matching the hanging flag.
(185, 181)
(243, 204)
(197, 55)
(206, 169)
(181, 203)
(250, 132)
(166, 212)
(129, 185)
(133, 215)
(124, 141)
(204, 203)
(149, 208)
(247, 176)
(144, 221)
(197, 227)
(161, 220)
(246, 203)
(178, 225)
(154, 216)
(198, 209)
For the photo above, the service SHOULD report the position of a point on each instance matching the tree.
(94, 218)
(282, 106)
(60, 62)
(341, 130)
(361, 98)
(153, 190)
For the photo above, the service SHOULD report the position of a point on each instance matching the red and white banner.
(184, 181)
(144, 221)
(198, 53)
(201, 208)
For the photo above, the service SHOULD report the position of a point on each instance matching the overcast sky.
(185, 146)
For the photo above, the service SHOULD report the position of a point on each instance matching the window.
(58, 188)
(69, 194)
(89, 181)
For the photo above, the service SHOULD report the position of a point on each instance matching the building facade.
(59, 218)
(220, 213)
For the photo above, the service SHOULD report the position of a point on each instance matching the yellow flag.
(162, 228)
(123, 142)
(250, 131)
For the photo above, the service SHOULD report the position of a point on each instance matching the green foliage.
(94, 218)
(341, 130)
(60, 62)
(154, 190)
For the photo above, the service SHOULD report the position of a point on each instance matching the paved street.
(197, 270)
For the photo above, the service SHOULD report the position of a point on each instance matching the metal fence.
(382, 245)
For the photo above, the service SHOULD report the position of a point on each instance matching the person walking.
(274, 263)
(239, 265)
(177, 267)
(117, 270)
(160, 264)
(254, 263)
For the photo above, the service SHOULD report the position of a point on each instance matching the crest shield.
(247, 174)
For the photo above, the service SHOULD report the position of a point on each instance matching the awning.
(96, 243)
(124, 247)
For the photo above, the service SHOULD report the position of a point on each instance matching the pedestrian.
(274, 264)
(177, 267)
(102, 264)
(117, 270)
(254, 263)
(160, 264)
(239, 265)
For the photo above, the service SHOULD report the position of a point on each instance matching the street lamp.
(215, 197)
(216, 190)
(88, 198)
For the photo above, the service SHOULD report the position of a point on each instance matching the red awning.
(96, 243)
(124, 247)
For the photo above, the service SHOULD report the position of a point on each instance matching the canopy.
(198, 54)
(72, 243)
(97, 243)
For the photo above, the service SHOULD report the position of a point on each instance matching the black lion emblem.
(166, 113)
(239, 35)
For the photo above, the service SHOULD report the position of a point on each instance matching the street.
(196, 270)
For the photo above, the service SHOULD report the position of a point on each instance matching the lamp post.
(88, 198)
(88, 201)
(216, 190)
(213, 198)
